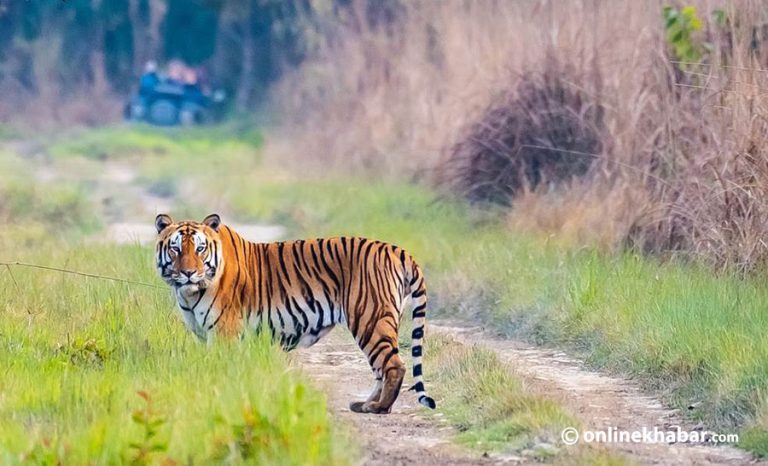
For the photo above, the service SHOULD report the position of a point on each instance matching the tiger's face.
(189, 254)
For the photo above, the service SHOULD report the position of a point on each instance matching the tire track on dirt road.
(599, 401)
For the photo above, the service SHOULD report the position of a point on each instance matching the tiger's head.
(189, 254)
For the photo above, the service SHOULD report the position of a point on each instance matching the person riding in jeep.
(173, 98)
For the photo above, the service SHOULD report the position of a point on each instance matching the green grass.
(101, 373)
(694, 337)
(64, 205)
(161, 156)
(130, 142)
(77, 353)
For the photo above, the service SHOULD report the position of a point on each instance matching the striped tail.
(419, 297)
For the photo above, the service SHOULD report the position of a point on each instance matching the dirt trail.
(404, 437)
(409, 436)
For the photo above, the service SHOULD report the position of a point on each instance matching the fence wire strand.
(126, 281)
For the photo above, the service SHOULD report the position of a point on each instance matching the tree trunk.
(157, 9)
(139, 37)
(245, 85)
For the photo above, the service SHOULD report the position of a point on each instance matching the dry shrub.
(544, 130)
(683, 156)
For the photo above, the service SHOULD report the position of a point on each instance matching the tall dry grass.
(399, 95)
(681, 165)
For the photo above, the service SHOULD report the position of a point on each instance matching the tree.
(189, 30)
(118, 43)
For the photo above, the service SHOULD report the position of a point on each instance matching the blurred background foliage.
(54, 51)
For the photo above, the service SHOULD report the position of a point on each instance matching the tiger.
(298, 291)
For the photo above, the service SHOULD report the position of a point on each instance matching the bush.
(544, 131)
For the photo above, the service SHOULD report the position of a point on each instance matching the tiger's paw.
(368, 407)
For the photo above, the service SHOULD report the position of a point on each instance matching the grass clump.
(64, 208)
(755, 439)
(84, 352)
(114, 142)
(151, 422)
(488, 405)
(61, 207)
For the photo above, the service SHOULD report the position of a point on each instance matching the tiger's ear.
(162, 221)
(213, 221)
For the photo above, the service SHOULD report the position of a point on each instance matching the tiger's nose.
(188, 273)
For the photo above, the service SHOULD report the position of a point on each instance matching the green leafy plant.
(46, 452)
(252, 437)
(682, 27)
(720, 17)
(151, 422)
(84, 352)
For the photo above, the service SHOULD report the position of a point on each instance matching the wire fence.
(9, 265)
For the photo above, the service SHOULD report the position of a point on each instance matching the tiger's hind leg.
(385, 392)
(383, 356)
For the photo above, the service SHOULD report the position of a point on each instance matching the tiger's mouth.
(196, 282)
(190, 287)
